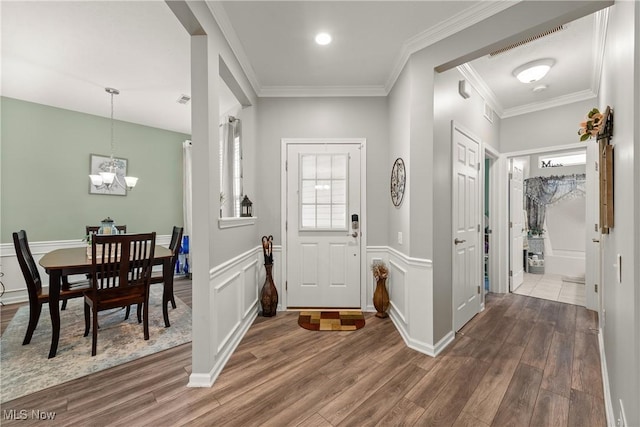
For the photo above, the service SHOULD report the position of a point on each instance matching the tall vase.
(269, 294)
(381, 298)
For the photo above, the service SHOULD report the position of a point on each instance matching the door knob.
(458, 241)
(594, 240)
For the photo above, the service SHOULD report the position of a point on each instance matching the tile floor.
(552, 287)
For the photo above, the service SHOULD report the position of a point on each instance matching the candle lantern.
(246, 209)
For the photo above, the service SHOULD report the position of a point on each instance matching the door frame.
(284, 148)
(493, 156)
(505, 247)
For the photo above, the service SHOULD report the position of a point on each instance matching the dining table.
(67, 261)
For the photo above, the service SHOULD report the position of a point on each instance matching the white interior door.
(592, 218)
(467, 252)
(323, 244)
(516, 223)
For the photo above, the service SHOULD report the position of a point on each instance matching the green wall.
(45, 165)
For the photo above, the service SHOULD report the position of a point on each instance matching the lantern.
(246, 207)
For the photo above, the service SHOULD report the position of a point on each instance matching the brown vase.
(269, 294)
(381, 298)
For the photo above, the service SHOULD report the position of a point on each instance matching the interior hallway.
(522, 361)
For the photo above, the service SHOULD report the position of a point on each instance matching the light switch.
(399, 237)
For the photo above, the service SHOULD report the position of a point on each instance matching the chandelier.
(109, 179)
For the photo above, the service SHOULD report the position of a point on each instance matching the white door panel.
(466, 228)
(516, 231)
(323, 255)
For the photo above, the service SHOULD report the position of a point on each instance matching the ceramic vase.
(381, 298)
(269, 294)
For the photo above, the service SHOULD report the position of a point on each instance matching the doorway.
(555, 228)
(323, 223)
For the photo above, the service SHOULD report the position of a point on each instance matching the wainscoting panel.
(16, 289)
(410, 286)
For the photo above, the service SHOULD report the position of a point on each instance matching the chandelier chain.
(112, 140)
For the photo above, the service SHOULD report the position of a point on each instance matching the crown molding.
(582, 95)
(474, 79)
(221, 17)
(320, 91)
(446, 28)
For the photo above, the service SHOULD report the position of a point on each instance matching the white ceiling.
(65, 53)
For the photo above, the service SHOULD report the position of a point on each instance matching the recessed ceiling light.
(540, 88)
(323, 38)
(533, 71)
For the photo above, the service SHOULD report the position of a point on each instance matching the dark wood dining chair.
(120, 276)
(174, 246)
(90, 229)
(34, 284)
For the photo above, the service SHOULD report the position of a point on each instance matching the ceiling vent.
(184, 99)
(527, 40)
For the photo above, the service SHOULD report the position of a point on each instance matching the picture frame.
(100, 163)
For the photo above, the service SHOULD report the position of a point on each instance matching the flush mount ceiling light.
(323, 38)
(533, 71)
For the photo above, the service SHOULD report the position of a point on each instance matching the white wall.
(399, 100)
(620, 320)
(323, 118)
(551, 127)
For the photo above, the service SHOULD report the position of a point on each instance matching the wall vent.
(527, 40)
(184, 99)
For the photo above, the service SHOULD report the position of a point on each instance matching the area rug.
(331, 320)
(26, 369)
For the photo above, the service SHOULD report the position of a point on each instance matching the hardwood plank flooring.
(522, 361)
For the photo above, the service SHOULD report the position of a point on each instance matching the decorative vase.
(269, 294)
(381, 298)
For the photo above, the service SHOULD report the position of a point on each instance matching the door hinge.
(478, 228)
(286, 165)
(286, 226)
(510, 224)
(478, 165)
(478, 288)
(510, 273)
(596, 163)
(286, 286)
(595, 227)
(595, 287)
(510, 175)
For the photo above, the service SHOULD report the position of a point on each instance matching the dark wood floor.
(522, 362)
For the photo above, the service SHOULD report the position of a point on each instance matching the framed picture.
(99, 163)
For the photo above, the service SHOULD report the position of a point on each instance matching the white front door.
(516, 222)
(467, 250)
(323, 242)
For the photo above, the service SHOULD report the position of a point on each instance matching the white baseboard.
(608, 404)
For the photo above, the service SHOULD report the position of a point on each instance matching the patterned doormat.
(331, 320)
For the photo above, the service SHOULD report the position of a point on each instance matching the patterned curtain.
(542, 191)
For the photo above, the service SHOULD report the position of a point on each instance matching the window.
(230, 168)
(323, 191)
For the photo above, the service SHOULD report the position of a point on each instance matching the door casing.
(363, 206)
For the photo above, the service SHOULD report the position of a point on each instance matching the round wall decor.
(398, 179)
